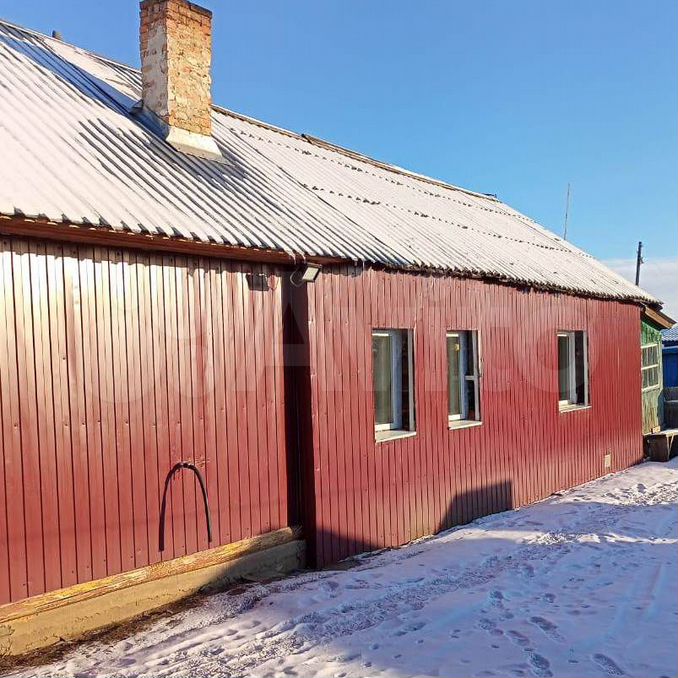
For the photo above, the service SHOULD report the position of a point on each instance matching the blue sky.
(513, 98)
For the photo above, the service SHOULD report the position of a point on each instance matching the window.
(393, 382)
(462, 377)
(650, 366)
(573, 368)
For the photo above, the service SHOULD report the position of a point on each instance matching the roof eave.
(109, 237)
(658, 318)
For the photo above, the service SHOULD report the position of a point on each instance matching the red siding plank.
(106, 396)
(9, 395)
(136, 410)
(45, 419)
(67, 509)
(30, 457)
(95, 452)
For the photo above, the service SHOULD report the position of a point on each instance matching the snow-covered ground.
(583, 584)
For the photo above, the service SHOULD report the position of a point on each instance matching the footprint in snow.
(518, 638)
(496, 598)
(486, 624)
(548, 627)
(540, 665)
(356, 587)
(349, 657)
(413, 580)
(527, 571)
(608, 665)
(409, 628)
(329, 585)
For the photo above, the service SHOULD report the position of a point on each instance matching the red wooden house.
(218, 335)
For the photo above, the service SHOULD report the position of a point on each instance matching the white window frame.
(571, 401)
(463, 335)
(643, 368)
(396, 337)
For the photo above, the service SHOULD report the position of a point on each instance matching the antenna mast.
(567, 211)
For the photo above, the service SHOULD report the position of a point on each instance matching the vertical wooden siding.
(371, 495)
(115, 365)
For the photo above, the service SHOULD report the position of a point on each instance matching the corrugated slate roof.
(74, 151)
(670, 335)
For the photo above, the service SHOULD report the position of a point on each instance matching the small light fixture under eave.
(305, 274)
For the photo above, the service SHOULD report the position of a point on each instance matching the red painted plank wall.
(370, 495)
(114, 365)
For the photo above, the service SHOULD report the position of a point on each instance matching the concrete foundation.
(34, 625)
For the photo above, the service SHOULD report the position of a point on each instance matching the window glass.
(650, 355)
(467, 342)
(383, 391)
(471, 401)
(580, 367)
(392, 380)
(453, 354)
(651, 372)
(573, 379)
(563, 367)
(462, 377)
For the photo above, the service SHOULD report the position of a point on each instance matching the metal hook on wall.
(179, 466)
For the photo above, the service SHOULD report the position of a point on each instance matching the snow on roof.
(75, 151)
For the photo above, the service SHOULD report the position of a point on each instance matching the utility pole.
(567, 211)
(639, 261)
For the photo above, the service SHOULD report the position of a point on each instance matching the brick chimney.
(176, 57)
